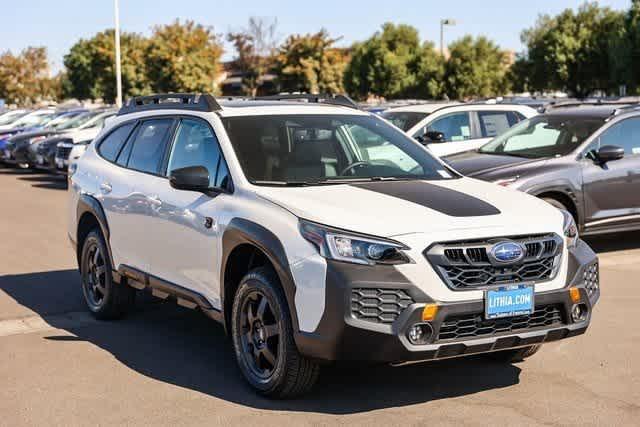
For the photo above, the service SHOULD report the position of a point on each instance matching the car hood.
(82, 135)
(394, 208)
(474, 163)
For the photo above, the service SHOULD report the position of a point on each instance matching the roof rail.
(342, 100)
(171, 101)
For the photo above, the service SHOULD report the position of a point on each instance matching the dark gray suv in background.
(583, 159)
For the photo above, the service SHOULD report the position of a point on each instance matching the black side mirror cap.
(433, 136)
(608, 153)
(192, 178)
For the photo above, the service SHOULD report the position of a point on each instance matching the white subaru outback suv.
(277, 219)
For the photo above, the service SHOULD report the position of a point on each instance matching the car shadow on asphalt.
(614, 242)
(40, 179)
(182, 347)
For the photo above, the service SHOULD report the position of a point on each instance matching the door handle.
(154, 200)
(105, 188)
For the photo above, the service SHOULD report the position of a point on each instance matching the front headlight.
(344, 246)
(570, 229)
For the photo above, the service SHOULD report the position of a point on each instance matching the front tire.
(262, 336)
(105, 299)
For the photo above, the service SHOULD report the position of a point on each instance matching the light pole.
(444, 22)
(118, 70)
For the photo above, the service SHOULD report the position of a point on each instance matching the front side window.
(405, 120)
(149, 146)
(455, 127)
(196, 145)
(543, 136)
(111, 145)
(319, 149)
(625, 134)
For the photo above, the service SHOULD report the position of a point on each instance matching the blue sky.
(57, 24)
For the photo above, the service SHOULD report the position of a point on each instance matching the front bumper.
(342, 336)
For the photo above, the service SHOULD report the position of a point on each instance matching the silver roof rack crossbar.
(171, 101)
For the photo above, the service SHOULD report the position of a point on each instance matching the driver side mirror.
(609, 153)
(432, 136)
(192, 178)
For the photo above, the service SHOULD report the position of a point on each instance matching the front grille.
(379, 305)
(468, 265)
(591, 278)
(475, 325)
(63, 151)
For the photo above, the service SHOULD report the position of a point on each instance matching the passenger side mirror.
(192, 178)
(433, 136)
(609, 153)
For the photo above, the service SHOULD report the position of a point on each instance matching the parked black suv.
(583, 159)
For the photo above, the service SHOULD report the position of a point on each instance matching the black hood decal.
(444, 200)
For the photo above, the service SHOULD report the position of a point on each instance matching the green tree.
(90, 67)
(255, 47)
(24, 78)
(394, 63)
(571, 51)
(624, 54)
(476, 67)
(310, 63)
(183, 58)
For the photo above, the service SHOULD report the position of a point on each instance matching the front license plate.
(509, 301)
(7, 154)
(59, 163)
(39, 159)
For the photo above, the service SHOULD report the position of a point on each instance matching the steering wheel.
(353, 165)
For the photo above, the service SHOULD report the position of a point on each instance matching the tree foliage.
(476, 67)
(255, 47)
(183, 58)
(394, 63)
(24, 78)
(572, 51)
(90, 67)
(309, 63)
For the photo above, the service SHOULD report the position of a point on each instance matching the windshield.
(11, 116)
(77, 121)
(62, 119)
(323, 149)
(33, 120)
(543, 136)
(405, 120)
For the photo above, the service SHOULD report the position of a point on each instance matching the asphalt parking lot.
(165, 365)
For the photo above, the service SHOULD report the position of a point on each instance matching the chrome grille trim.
(466, 265)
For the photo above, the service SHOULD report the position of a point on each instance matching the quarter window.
(196, 145)
(111, 145)
(149, 146)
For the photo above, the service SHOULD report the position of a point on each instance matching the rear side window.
(493, 123)
(149, 146)
(111, 145)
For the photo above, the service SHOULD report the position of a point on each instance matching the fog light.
(420, 333)
(579, 312)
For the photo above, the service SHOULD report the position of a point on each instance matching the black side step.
(163, 289)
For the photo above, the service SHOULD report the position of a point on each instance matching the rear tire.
(262, 335)
(516, 355)
(105, 299)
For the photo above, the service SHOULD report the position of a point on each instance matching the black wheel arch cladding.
(242, 231)
(90, 205)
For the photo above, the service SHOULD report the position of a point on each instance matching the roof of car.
(423, 108)
(601, 112)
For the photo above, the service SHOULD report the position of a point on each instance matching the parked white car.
(448, 128)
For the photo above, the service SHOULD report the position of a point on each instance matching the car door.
(185, 224)
(143, 157)
(612, 190)
(457, 131)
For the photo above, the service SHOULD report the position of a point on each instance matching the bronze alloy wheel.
(94, 280)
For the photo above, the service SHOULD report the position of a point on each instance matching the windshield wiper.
(282, 183)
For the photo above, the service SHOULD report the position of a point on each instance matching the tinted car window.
(625, 134)
(308, 149)
(149, 146)
(111, 145)
(195, 145)
(455, 126)
(405, 120)
(494, 123)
